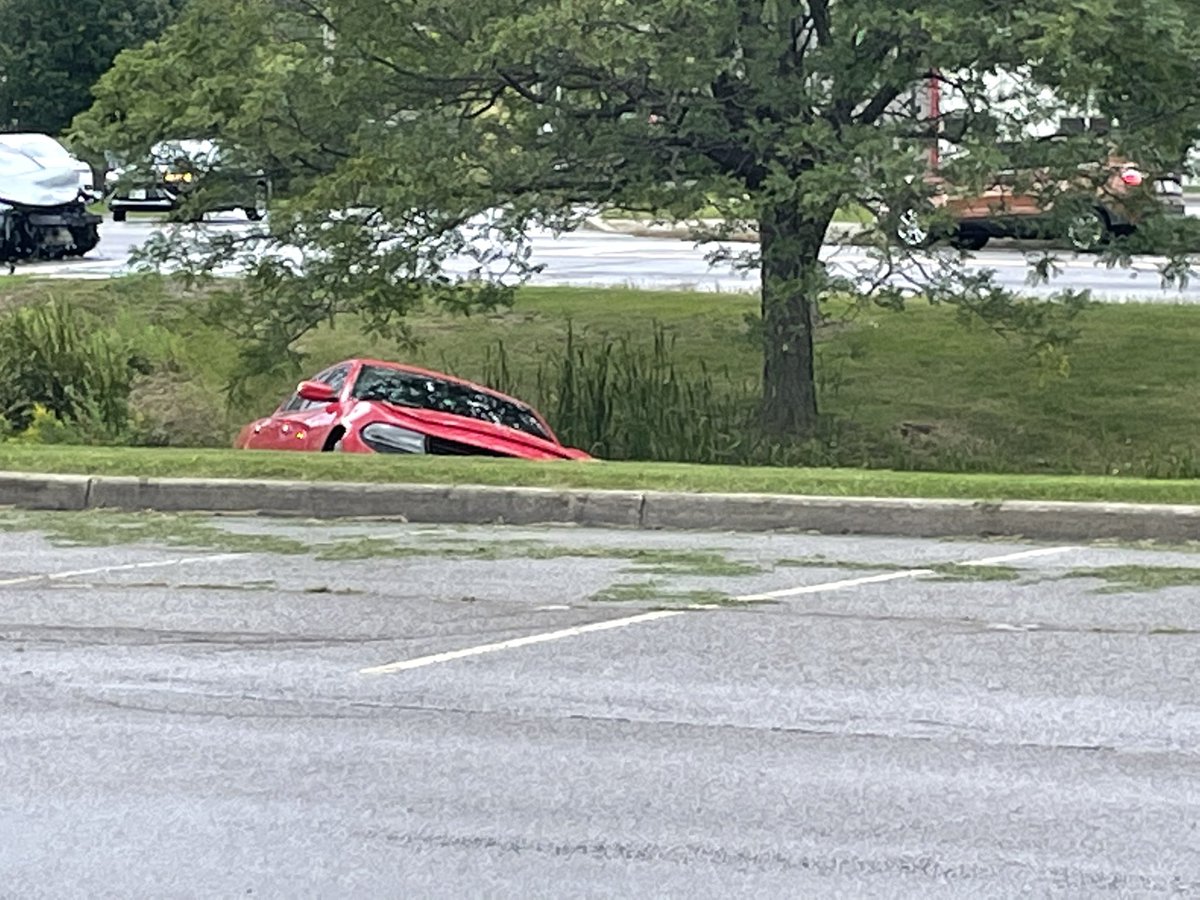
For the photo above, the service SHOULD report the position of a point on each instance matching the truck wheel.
(1088, 231)
(969, 240)
(118, 215)
(85, 238)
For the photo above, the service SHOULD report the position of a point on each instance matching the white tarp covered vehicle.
(51, 153)
(43, 210)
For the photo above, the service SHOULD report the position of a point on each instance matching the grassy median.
(911, 391)
(168, 462)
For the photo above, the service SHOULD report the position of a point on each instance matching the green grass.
(109, 529)
(956, 572)
(1129, 578)
(1126, 408)
(667, 597)
(180, 463)
(824, 562)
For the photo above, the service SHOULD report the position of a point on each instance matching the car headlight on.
(392, 439)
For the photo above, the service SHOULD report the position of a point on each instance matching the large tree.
(395, 123)
(52, 52)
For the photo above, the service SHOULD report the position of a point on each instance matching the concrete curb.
(477, 505)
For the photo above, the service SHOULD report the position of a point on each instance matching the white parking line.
(100, 570)
(896, 576)
(520, 642)
(1013, 557)
(833, 585)
(481, 649)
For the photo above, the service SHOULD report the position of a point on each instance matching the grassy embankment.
(908, 391)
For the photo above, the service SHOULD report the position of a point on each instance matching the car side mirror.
(317, 392)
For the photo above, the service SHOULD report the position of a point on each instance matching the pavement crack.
(839, 864)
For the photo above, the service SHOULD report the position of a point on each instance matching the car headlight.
(393, 439)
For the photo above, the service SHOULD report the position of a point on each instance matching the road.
(598, 258)
(285, 709)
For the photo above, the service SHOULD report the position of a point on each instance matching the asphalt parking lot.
(254, 707)
(591, 258)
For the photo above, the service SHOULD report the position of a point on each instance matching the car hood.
(464, 430)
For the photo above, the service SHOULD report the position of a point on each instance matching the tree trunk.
(792, 277)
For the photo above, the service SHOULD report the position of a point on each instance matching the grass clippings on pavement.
(1135, 578)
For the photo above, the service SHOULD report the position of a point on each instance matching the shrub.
(62, 365)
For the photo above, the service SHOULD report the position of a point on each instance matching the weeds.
(1125, 578)
(66, 376)
(624, 399)
(653, 590)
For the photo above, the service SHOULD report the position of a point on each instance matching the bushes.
(58, 365)
(621, 397)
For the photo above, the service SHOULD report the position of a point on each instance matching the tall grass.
(620, 397)
(59, 364)
(631, 397)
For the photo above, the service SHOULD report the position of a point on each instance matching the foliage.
(621, 398)
(65, 377)
(45, 427)
(421, 142)
(53, 51)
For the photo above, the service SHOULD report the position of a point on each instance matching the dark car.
(194, 175)
(369, 406)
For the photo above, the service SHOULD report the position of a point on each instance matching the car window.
(334, 377)
(402, 388)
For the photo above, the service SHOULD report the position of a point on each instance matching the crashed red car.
(369, 406)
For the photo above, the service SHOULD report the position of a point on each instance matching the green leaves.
(389, 127)
(52, 51)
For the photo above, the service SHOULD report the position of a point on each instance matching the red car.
(368, 406)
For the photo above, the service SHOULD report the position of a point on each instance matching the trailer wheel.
(85, 238)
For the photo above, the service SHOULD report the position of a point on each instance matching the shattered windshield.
(402, 388)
